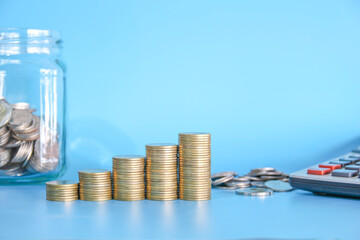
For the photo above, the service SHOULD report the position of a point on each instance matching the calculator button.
(353, 167)
(342, 163)
(331, 166)
(344, 173)
(350, 159)
(318, 171)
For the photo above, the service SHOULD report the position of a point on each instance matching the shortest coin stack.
(62, 191)
(95, 185)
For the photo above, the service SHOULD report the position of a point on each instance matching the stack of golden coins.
(129, 177)
(161, 171)
(95, 185)
(195, 166)
(62, 191)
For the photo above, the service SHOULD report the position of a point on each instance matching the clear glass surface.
(32, 83)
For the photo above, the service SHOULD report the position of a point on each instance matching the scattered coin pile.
(265, 180)
(62, 191)
(194, 166)
(95, 185)
(128, 177)
(20, 142)
(161, 171)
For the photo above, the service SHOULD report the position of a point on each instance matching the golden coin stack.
(62, 191)
(195, 166)
(95, 185)
(129, 177)
(161, 171)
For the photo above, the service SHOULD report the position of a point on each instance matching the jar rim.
(29, 36)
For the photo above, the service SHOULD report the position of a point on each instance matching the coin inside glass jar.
(5, 112)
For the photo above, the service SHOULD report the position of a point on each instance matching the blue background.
(275, 82)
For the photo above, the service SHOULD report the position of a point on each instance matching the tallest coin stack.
(195, 166)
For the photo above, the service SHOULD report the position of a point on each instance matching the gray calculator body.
(328, 183)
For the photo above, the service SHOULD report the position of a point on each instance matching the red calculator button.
(318, 171)
(331, 166)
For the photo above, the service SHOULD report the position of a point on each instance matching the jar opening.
(51, 38)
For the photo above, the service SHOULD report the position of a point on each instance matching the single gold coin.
(125, 192)
(68, 190)
(131, 187)
(95, 199)
(61, 183)
(161, 145)
(129, 180)
(62, 197)
(197, 134)
(61, 194)
(127, 157)
(194, 175)
(160, 153)
(129, 198)
(94, 177)
(95, 195)
(61, 200)
(94, 171)
(162, 198)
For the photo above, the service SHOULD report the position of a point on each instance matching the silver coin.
(61, 182)
(15, 173)
(223, 174)
(279, 186)
(264, 169)
(50, 150)
(23, 152)
(13, 143)
(21, 105)
(241, 179)
(42, 166)
(253, 178)
(29, 167)
(12, 167)
(37, 149)
(18, 173)
(3, 130)
(272, 173)
(4, 138)
(5, 112)
(47, 161)
(33, 127)
(20, 119)
(259, 192)
(29, 154)
(266, 178)
(238, 184)
(5, 155)
(260, 184)
(221, 180)
(225, 187)
(26, 136)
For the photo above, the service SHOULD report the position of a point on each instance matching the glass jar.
(32, 106)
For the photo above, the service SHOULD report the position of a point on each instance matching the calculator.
(337, 176)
